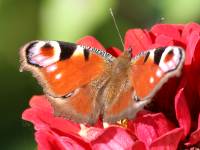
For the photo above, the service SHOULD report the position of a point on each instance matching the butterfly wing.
(124, 106)
(147, 73)
(151, 69)
(119, 92)
(70, 75)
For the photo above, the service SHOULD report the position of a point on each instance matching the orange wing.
(148, 72)
(125, 107)
(70, 74)
(153, 68)
(118, 95)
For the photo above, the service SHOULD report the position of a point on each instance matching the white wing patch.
(51, 68)
(58, 76)
(35, 56)
(172, 64)
(78, 51)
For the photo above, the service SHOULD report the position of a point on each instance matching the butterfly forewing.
(61, 67)
(151, 69)
(70, 74)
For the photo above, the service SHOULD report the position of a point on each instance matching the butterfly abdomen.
(119, 77)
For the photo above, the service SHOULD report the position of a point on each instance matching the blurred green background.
(67, 20)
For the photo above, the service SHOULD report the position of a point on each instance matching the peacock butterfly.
(83, 82)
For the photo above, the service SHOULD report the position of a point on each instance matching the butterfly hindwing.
(82, 107)
(125, 107)
(70, 74)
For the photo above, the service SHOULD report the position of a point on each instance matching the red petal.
(193, 39)
(42, 117)
(196, 57)
(164, 40)
(137, 39)
(48, 140)
(167, 30)
(199, 122)
(114, 138)
(40, 102)
(199, 86)
(114, 51)
(179, 27)
(30, 115)
(168, 141)
(188, 29)
(164, 98)
(138, 145)
(90, 41)
(149, 127)
(182, 111)
(191, 94)
(195, 136)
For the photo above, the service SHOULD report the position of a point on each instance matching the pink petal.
(114, 51)
(137, 39)
(182, 111)
(90, 41)
(168, 141)
(167, 30)
(48, 140)
(195, 136)
(91, 133)
(149, 127)
(114, 138)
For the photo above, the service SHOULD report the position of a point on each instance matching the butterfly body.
(83, 83)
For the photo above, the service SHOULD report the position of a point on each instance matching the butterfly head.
(127, 54)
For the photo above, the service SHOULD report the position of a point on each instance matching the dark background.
(67, 20)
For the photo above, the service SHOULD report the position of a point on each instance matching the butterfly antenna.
(111, 12)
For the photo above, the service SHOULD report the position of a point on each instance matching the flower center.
(123, 123)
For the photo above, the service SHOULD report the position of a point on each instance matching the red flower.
(173, 120)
